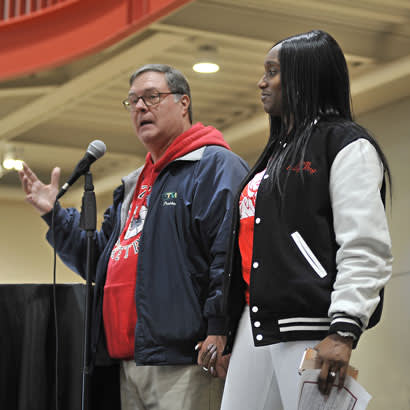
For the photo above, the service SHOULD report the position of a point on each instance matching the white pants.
(265, 377)
(168, 388)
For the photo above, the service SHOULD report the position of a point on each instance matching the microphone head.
(97, 149)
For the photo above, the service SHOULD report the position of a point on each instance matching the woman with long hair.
(310, 252)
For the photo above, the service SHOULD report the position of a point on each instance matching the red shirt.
(119, 308)
(247, 203)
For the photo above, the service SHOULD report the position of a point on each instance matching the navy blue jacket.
(181, 255)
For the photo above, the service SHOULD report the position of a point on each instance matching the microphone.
(95, 150)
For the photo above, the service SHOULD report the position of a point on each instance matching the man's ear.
(185, 101)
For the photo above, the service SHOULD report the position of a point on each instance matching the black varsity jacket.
(321, 256)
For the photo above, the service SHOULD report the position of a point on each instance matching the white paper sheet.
(352, 397)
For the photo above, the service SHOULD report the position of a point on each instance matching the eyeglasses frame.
(128, 106)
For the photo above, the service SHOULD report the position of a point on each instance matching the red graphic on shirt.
(248, 197)
(119, 308)
(307, 166)
(247, 203)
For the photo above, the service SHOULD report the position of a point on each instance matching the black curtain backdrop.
(27, 351)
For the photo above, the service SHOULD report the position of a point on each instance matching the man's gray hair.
(176, 81)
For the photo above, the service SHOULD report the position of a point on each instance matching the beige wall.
(382, 356)
(26, 256)
(391, 127)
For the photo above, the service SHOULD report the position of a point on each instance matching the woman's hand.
(210, 356)
(333, 355)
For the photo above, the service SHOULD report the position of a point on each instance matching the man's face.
(158, 125)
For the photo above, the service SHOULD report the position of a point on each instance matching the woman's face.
(270, 85)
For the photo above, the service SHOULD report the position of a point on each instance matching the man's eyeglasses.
(131, 102)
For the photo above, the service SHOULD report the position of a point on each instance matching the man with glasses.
(157, 300)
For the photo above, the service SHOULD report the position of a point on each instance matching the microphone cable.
(56, 357)
(95, 150)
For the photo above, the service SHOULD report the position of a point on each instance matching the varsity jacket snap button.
(257, 324)
(259, 337)
(255, 264)
(258, 221)
(255, 309)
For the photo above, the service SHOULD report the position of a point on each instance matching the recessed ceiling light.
(10, 163)
(205, 68)
(206, 60)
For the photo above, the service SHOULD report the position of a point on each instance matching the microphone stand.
(88, 222)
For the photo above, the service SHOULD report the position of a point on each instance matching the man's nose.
(140, 105)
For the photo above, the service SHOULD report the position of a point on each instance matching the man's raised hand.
(41, 196)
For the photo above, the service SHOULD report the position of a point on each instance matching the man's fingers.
(222, 366)
(21, 176)
(24, 182)
(55, 177)
(32, 177)
(24, 179)
(220, 372)
(225, 361)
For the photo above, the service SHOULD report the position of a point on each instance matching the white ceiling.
(50, 117)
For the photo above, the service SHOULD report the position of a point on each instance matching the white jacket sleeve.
(364, 259)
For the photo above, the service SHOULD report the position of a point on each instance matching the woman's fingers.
(206, 354)
(212, 362)
(323, 380)
(207, 357)
(342, 377)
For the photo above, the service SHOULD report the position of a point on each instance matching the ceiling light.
(10, 161)
(18, 165)
(206, 61)
(206, 67)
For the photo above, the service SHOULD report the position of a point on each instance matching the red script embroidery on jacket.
(299, 168)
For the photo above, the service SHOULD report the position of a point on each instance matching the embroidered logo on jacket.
(168, 198)
(306, 166)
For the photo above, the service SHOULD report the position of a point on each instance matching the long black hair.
(315, 87)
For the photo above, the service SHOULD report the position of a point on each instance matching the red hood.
(196, 137)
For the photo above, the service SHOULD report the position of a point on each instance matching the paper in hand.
(351, 397)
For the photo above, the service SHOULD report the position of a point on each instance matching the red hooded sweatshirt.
(119, 308)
